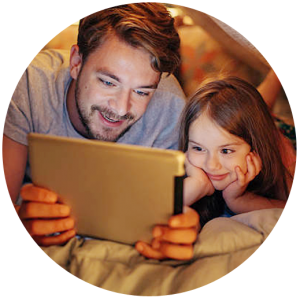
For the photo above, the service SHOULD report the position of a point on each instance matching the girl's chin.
(220, 186)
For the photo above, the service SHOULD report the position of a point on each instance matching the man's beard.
(85, 119)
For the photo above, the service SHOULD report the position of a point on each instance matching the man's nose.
(121, 104)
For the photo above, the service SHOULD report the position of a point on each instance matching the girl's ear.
(75, 62)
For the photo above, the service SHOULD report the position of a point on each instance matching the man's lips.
(217, 177)
(108, 121)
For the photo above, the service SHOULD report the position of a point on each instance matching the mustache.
(110, 114)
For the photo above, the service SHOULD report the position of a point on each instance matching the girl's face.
(216, 151)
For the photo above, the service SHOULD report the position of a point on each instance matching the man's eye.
(106, 83)
(141, 93)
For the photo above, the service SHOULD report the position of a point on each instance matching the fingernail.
(69, 223)
(175, 222)
(139, 247)
(50, 197)
(64, 210)
(157, 232)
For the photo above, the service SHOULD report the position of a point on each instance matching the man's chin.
(109, 135)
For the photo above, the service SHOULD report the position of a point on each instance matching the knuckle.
(62, 238)
(194, 235)
(41, 241)
(31, 227)
(167, 250)
(189, 252)
(61, 225)
(28, 209)
(185, 252)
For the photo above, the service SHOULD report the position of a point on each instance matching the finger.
(188, 219)
(182, 236)
(257, 162)
(54, 240)
(29, 192)
(251, 172)
(41, 227)
(177, 252)
(240, 176)
(147, 251)
(40, 210)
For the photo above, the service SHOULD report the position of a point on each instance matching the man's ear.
(75, 62)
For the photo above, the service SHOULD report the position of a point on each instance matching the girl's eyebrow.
(231, 144)
(191, 141)
(221, 146)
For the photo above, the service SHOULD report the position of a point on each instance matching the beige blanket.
(222, 245)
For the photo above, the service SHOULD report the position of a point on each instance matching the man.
(114, 88)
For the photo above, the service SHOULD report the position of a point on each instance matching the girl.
(233, 146)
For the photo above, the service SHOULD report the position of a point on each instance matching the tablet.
(116, 192)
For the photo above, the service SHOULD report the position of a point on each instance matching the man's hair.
(147, 26)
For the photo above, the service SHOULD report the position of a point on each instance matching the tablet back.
(116, 192)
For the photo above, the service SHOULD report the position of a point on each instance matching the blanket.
(223, 244)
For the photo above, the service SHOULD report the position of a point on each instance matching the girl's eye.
(226, 151)
(197, 148)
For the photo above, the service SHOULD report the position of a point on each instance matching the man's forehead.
(141, 83)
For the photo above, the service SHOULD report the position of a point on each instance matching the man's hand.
(174, 241)
(43, 216)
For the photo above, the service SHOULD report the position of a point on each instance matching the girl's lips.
(109, 123)
(217, 177)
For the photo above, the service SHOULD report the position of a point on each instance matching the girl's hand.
(239, 186)
(175, 240)
(197, 185)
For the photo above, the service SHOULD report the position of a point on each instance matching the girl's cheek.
(195, 159)
(243, 166)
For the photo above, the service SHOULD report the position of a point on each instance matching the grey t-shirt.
(39, 105)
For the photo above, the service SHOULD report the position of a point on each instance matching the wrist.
(17, 207)
(230, 197)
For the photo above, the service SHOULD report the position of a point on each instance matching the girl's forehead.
(205, 129)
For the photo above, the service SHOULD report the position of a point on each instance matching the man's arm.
(14, 163)
(270, 88)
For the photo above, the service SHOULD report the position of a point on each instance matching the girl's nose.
(213, 162)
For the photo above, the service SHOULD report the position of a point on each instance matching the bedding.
(223, 244)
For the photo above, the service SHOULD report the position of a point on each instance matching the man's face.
(113, 89)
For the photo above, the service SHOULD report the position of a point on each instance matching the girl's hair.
(238, 107)
(148, 26)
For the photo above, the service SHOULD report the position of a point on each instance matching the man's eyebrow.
(114, 77)
(153, 86)
(108, 74)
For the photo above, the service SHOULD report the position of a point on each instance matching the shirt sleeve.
(18, 121)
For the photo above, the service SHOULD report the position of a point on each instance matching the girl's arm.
(250, 202)
(239, 200)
